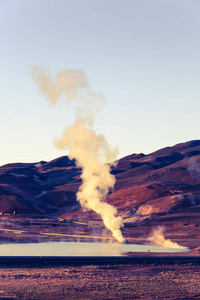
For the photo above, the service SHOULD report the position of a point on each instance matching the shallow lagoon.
(78, 249)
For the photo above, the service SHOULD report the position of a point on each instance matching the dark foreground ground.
(127, 281)
(142, 259)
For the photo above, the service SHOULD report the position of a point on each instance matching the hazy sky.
(143, 55)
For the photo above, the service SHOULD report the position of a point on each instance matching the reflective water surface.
(78, 249)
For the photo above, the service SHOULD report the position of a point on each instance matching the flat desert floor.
(127, 281)
(101, 282)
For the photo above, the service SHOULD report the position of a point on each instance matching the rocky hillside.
(162, 182)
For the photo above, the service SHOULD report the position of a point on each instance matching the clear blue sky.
(143, 55)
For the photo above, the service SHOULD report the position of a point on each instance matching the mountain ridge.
(161, 182)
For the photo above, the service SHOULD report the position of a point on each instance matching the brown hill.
(163, 182)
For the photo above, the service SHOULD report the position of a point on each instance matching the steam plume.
(91, 151)
(194, 168)
(157, 238)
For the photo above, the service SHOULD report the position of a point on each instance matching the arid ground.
(38, 203)
(101, 282)
(133, 281)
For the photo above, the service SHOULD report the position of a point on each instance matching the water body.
(78, 249)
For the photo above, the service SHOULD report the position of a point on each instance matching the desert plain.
(38, 204)
(135, 280)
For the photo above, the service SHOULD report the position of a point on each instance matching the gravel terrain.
(101, 282)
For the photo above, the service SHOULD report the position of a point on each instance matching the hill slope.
(162, 182)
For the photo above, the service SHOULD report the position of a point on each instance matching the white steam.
(157, 238)
(194, 168)
(91, 151)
